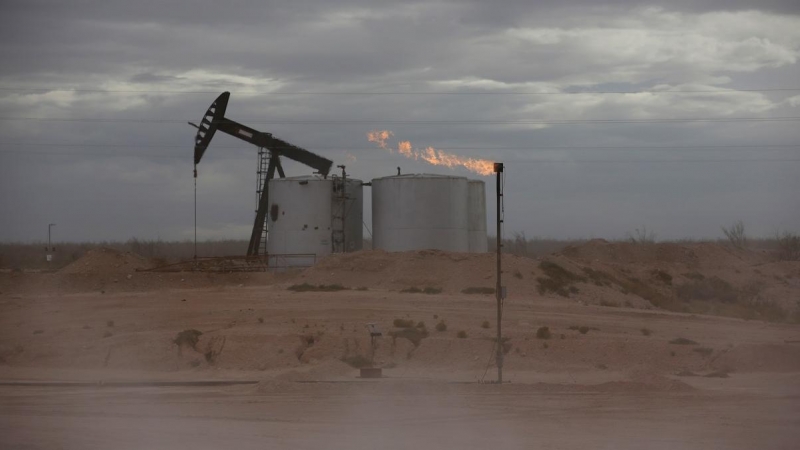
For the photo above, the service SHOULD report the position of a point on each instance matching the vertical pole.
(498, 168)
(48, 237)
(195, 211)
(344, 210)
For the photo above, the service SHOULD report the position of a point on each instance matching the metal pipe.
(498, 168)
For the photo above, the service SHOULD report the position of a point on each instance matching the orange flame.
(380, 137)
(432, 155)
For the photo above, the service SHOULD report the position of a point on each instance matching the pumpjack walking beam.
(214, 119)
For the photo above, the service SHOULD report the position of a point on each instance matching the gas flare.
(432, 155)
(380, 137)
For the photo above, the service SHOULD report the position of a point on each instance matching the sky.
(680, 117)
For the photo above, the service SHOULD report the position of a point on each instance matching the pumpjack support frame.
(214, 119)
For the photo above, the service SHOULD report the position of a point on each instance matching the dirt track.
(613, 387)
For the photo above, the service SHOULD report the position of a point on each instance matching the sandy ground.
(615, 386)
(558, 397)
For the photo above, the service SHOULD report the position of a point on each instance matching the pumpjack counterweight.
(214, 119)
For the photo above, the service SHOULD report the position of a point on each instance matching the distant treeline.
(33, 256)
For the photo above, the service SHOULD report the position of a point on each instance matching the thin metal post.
(195, 211)
(498, 168)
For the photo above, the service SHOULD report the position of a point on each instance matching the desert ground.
(662, 346)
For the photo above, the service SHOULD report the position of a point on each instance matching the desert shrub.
(461, 334)
(683, 341)
(583, 329)
(305, 287)
(543, 333)
(518, 274)
(599, 277)
(421, 325)
(713, 288)
(441, 326)
(788, 246)
(478, 290)
(260, 320)
(663, 276)
(646, 331)
(187, 338)
(558, 280)
(705, 351)
(403, 323)
(505, 344)
(38, 331)
(411, 290)
(362, 288)
(642, 236)
(110, 324)
(485, 324)
(431, 290)
(357, 361)
(573, 290)
(609, 304)
(736, 235)
(413, 334)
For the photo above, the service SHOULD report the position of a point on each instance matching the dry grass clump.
(704, 351)
(305, 287)
(485, 324)
(441, 326)
(403, 323)
(188, 338)
(662, 276)
(543, 333)
(646, 331)
(582, 329)
(413, 334)
(356, 361)
(478, 290)
(558, 280)
(416, 290)
(683, 341)
(461, 334)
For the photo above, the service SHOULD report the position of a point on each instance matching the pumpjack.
(270, 151)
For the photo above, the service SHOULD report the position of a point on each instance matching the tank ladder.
(263, 164)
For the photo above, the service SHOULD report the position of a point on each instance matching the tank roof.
(420, 175)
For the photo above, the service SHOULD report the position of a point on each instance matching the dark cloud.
(146, 68)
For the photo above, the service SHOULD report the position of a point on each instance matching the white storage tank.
(420, 211)
(304, 219)
(478, 242)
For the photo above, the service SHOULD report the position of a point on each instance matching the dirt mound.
(451, 272)
(106, 261)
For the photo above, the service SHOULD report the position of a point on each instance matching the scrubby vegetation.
(441, 326)
(478, 290)
(461, 334)
(485, 324)
(305, 287)
(188, 338)
(426, 290)
(683, 341)
(413, 334)
(403, 323)
(543, 333)
(558, 280)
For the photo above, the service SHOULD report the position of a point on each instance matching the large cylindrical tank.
(478, 242)
(420, 211)
(304, 217)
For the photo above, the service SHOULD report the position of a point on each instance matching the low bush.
(478, 290)
(305, 287)
(683, 341)
(461, 334)
(485, 324)
(413, 334)
(403, 323)
(646, 331)
(357, 361)
(441, 326)
(188, 338)
(543, 333)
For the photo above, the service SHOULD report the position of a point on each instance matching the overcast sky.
(95, 97)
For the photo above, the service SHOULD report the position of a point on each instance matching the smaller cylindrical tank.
(299, 218)
(478, 242)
